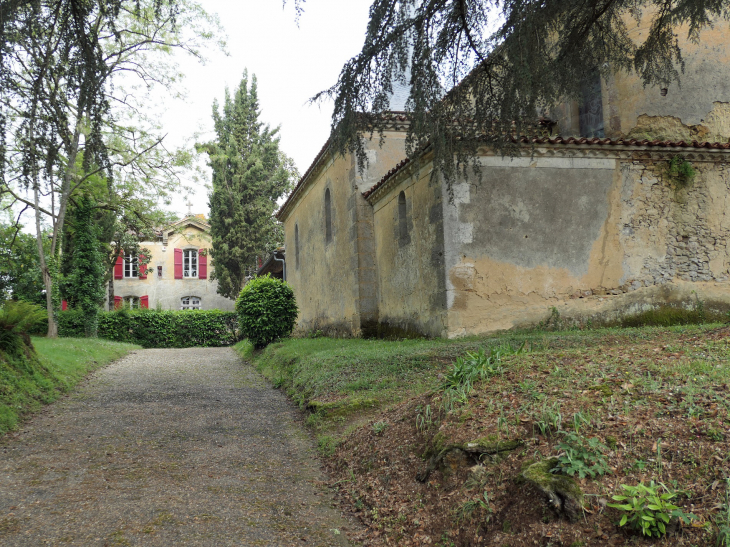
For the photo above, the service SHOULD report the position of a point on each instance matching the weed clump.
(670, 316)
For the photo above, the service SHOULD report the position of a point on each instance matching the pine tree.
(480, 71)
(250, 173)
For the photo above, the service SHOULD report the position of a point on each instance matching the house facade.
(593, 223)
(177, 275)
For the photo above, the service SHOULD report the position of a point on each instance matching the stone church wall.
(324, 280)
(411, 296)
(592, 236)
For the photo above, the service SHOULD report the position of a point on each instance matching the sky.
(291, 63)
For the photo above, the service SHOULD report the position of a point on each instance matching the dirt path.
(167, 447)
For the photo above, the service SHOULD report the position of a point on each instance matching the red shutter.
(142, 268)
(117, 302)
(119, 268)
(178, 263)
(64, 305)
(202, 264)
(144, 301)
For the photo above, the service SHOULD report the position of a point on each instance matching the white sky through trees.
(291, 63)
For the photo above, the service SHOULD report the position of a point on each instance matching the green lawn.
(346, 381)
(28, 383)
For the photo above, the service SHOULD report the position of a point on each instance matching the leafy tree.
(512, 61)
(250, 173)
(84, 284)
(20, 272)
(66, 108)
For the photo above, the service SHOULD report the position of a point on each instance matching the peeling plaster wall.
(594, 237)
(411, 295)
(701, 97)
(166, 291)
(695, 108)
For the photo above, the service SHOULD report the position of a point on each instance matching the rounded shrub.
(267, 310)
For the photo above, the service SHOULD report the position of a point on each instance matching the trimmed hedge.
(170, 329)
(156, 329)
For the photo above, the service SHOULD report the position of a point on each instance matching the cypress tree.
(250, 173)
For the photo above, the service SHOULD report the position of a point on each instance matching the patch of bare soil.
(167, 447)
(660, 407)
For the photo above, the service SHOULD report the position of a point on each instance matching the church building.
(591, 224)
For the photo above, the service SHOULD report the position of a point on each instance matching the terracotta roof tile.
(395, 115)
(595, 141)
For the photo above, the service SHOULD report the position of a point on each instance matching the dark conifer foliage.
(84, 284)
(482, 70)
(250, 173)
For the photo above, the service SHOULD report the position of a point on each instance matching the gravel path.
(167, 447)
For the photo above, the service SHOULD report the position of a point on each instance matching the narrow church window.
(327, 216)
(402, 220)
(590, 112)
(190, 263)
(190, 303)
(296, 246)
(130, 266)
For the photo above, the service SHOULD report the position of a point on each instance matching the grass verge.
(29, 381)
(619, 406)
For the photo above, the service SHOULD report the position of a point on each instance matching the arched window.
(296, 246)
(402, 219)
(190, 303)
(327, 216)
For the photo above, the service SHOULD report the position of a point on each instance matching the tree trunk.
(47, 279)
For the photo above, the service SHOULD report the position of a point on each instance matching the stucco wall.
(411, 295)
(695, 108)
(335, 283)
(166, 290)
(594, 237)
(701, 98)
(325, 281)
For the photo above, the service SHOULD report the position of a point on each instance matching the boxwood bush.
(267, 310)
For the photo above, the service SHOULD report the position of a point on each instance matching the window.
(131, 302)
(190, 263)
(131, 264)
(296, 246)
(590, 111)
(402, 219)
(327, 216)
(190, 303)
